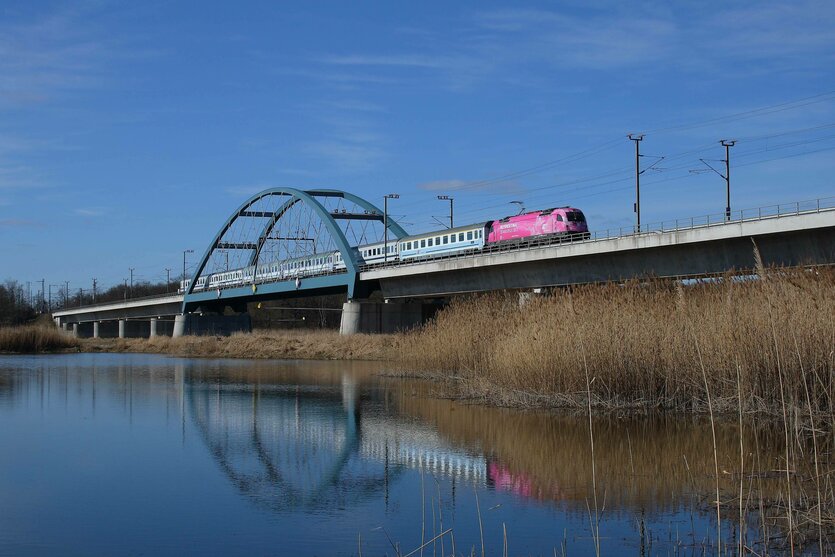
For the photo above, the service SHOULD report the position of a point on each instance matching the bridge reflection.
(314, 445)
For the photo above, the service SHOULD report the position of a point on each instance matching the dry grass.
(642, 344)
(317, 345)
(34, 338)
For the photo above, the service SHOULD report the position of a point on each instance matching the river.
(129, 454)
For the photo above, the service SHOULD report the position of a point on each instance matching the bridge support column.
(362, 316)
(122, 326)
(75, 330)
(95, 329)
(64, 327)
(153, 327)
(179, 326)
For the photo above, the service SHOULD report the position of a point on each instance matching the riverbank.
(755, 344)
(762, 345)
(33, 339)
(294, 345)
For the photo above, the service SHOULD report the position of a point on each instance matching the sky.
(130, 131)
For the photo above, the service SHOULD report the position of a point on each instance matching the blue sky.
(130, 131)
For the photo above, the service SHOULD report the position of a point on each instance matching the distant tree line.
(19, 304)
(15, 306)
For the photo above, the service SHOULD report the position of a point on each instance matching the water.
(122, 454)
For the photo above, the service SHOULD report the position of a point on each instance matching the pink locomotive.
(562, 220)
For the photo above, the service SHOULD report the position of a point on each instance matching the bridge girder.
(308, 198)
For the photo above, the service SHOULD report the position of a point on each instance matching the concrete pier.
(96, 329)
(75, 330)
(179, 326)
(122, 326)
(153, 327)
(363, 316)
(211, 324)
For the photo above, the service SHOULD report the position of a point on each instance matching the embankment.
(647, 345)
(313, 345)
(32, 339)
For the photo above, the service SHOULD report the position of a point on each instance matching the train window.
(423, 243)
(559, 218)
(445, 239)
(470, 235)
(478, 234)
(460, 236)
(429, 242)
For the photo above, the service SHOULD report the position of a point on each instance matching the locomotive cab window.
(559, 218)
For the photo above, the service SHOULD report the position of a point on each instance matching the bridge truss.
(280, 225)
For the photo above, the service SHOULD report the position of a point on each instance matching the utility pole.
(637, 138)
(450, 199)
(80, 297)
(49, 302)
(167, 279)
(131, 281)
(94, 291)
(66, 293)
(727, 144)
(43, 293)
(126, 289)
(637, 206)
(386, 223)
(185, 251)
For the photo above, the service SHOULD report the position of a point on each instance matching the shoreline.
(762, 346)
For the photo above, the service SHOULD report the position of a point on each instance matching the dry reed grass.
(34, 338)
(307, 345)
(641, 343)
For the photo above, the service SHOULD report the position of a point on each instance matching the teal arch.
(392, 226)
(296, 196)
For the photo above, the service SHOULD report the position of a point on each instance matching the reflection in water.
(314, 444)
(654, 463)
(307, 440)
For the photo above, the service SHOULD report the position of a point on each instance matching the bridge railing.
(121, 301)
(673, 225)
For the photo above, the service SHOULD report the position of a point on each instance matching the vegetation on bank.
(260, 344)
(754, 343)
(32, 339)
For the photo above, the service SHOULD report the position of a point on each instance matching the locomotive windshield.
(575, 216)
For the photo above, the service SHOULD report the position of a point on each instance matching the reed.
(307, 345)
(641, 344)
(32, 339)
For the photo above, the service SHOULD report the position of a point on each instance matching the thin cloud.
(39, 59)
(18, 223)
(345, 155)
(451, 186)
(91, 211)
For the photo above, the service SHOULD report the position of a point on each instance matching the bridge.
(283, 243)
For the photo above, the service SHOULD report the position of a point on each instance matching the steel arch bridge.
(281, 225)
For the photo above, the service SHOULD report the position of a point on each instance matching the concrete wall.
(223, 325)
(362, 316)
(554, 266)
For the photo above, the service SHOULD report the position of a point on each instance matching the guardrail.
(114, 302)
(766, 212)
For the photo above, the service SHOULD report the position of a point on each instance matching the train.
(567, 222)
